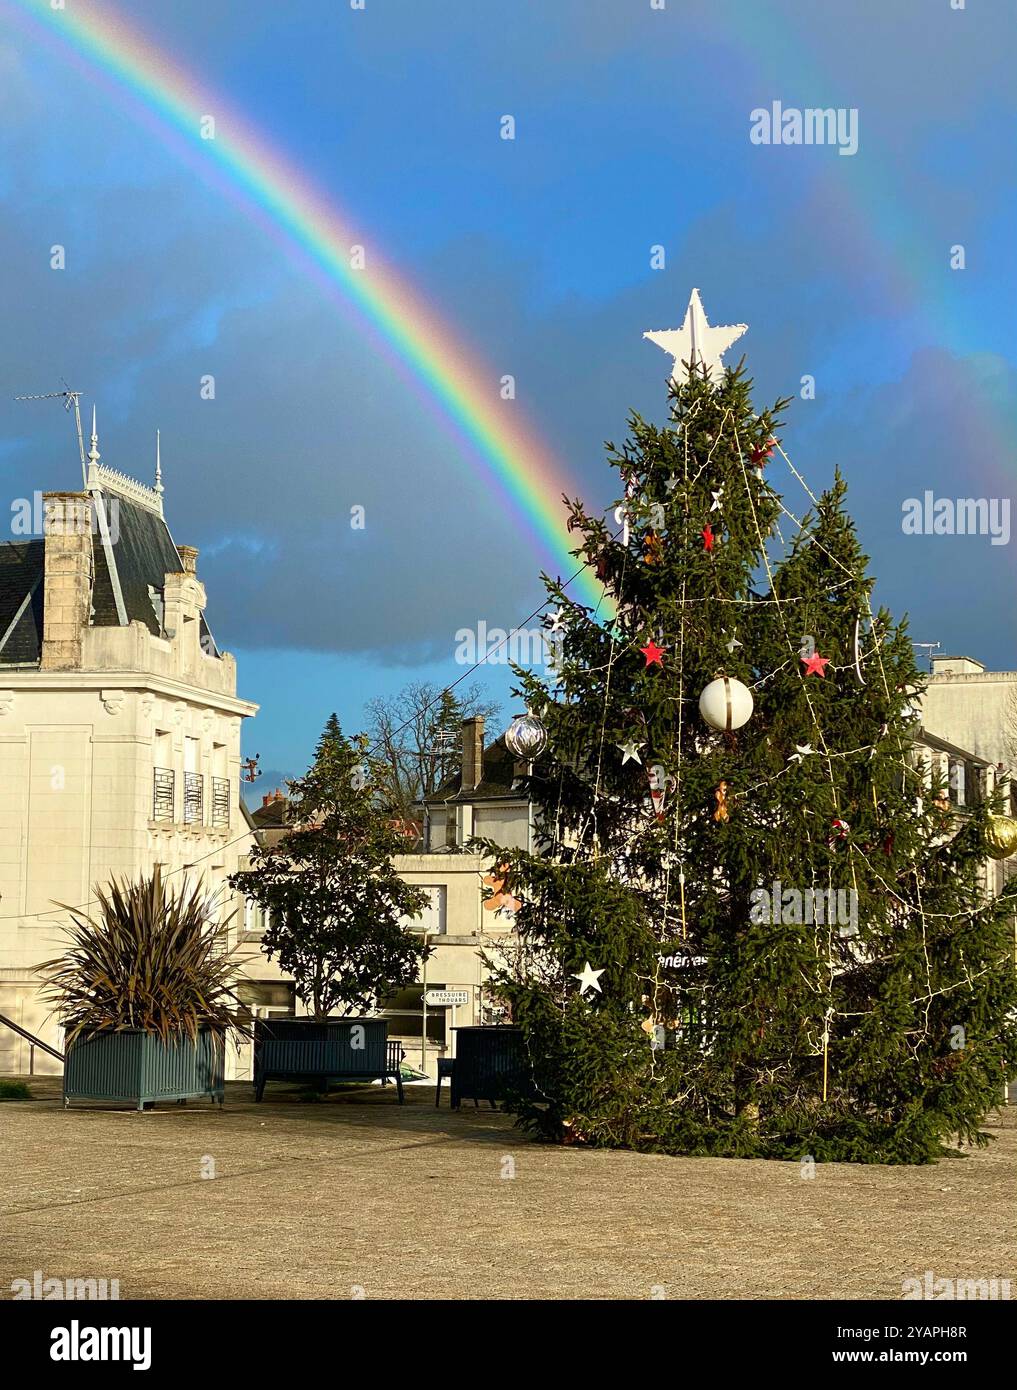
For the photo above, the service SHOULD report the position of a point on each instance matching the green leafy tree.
(336, 906)
(796, 949)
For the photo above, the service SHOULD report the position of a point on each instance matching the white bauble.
(726, 704)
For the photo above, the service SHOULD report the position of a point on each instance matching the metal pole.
(423, 1025)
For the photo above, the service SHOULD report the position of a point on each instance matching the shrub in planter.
(145, 994)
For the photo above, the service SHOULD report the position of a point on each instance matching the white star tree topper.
(697, 342)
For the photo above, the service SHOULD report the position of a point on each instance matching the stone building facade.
(119, 729)
(974, 708)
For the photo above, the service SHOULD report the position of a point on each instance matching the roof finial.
(93, 453)
(158, 467)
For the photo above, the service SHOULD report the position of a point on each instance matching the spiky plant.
(152, 958)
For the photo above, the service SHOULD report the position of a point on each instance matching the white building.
(967, 707)
(119, 729)
(973, 707)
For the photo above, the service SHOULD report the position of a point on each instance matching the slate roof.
(21, 565)
(143, 553)
(271, 823)
(276, 813)
(499, 775)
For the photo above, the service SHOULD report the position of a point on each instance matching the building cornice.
(34, 679)
(974, 677)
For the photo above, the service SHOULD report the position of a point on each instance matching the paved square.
(358, 1193)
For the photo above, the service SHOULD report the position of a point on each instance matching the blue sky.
(632, 131)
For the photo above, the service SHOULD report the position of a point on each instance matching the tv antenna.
(69, 398)
(930, 647)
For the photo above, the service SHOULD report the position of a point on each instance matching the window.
(253, 922)
(163, 793)
(957, 781)
(192, 754)
(156, 598)
(193, 783)
(163, 780)
(432, 919)
(220, 787)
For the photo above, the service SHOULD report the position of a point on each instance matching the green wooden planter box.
(140, 1068)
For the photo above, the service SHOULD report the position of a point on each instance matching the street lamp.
(423, 997)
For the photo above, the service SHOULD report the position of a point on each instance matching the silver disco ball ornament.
(526, 738)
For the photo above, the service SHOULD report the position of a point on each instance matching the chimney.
(67, 578)
(188, 558)
(473, 753)
(277, 795)
(267, 799)
(183, 602)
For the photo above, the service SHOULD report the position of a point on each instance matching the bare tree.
(416, 738)
(1010, 727)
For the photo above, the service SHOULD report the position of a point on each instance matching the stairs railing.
(32, 1040)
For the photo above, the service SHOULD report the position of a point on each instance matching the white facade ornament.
(113, 700)
(93, 453)
(99, 475)
(6, 701)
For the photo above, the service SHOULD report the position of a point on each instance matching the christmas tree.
(743, 933)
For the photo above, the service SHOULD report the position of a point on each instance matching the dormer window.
(157, 600)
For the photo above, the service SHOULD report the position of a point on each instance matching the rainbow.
(493, 436)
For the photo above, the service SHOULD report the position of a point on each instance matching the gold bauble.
(1001, 837)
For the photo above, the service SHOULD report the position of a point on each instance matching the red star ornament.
(653, 653)
(708, 537)
(815, 665)
(760, 455)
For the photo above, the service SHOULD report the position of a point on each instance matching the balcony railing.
(193, 798)
(163, 793)
(221, 802)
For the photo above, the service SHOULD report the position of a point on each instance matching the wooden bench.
(334, 1050)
